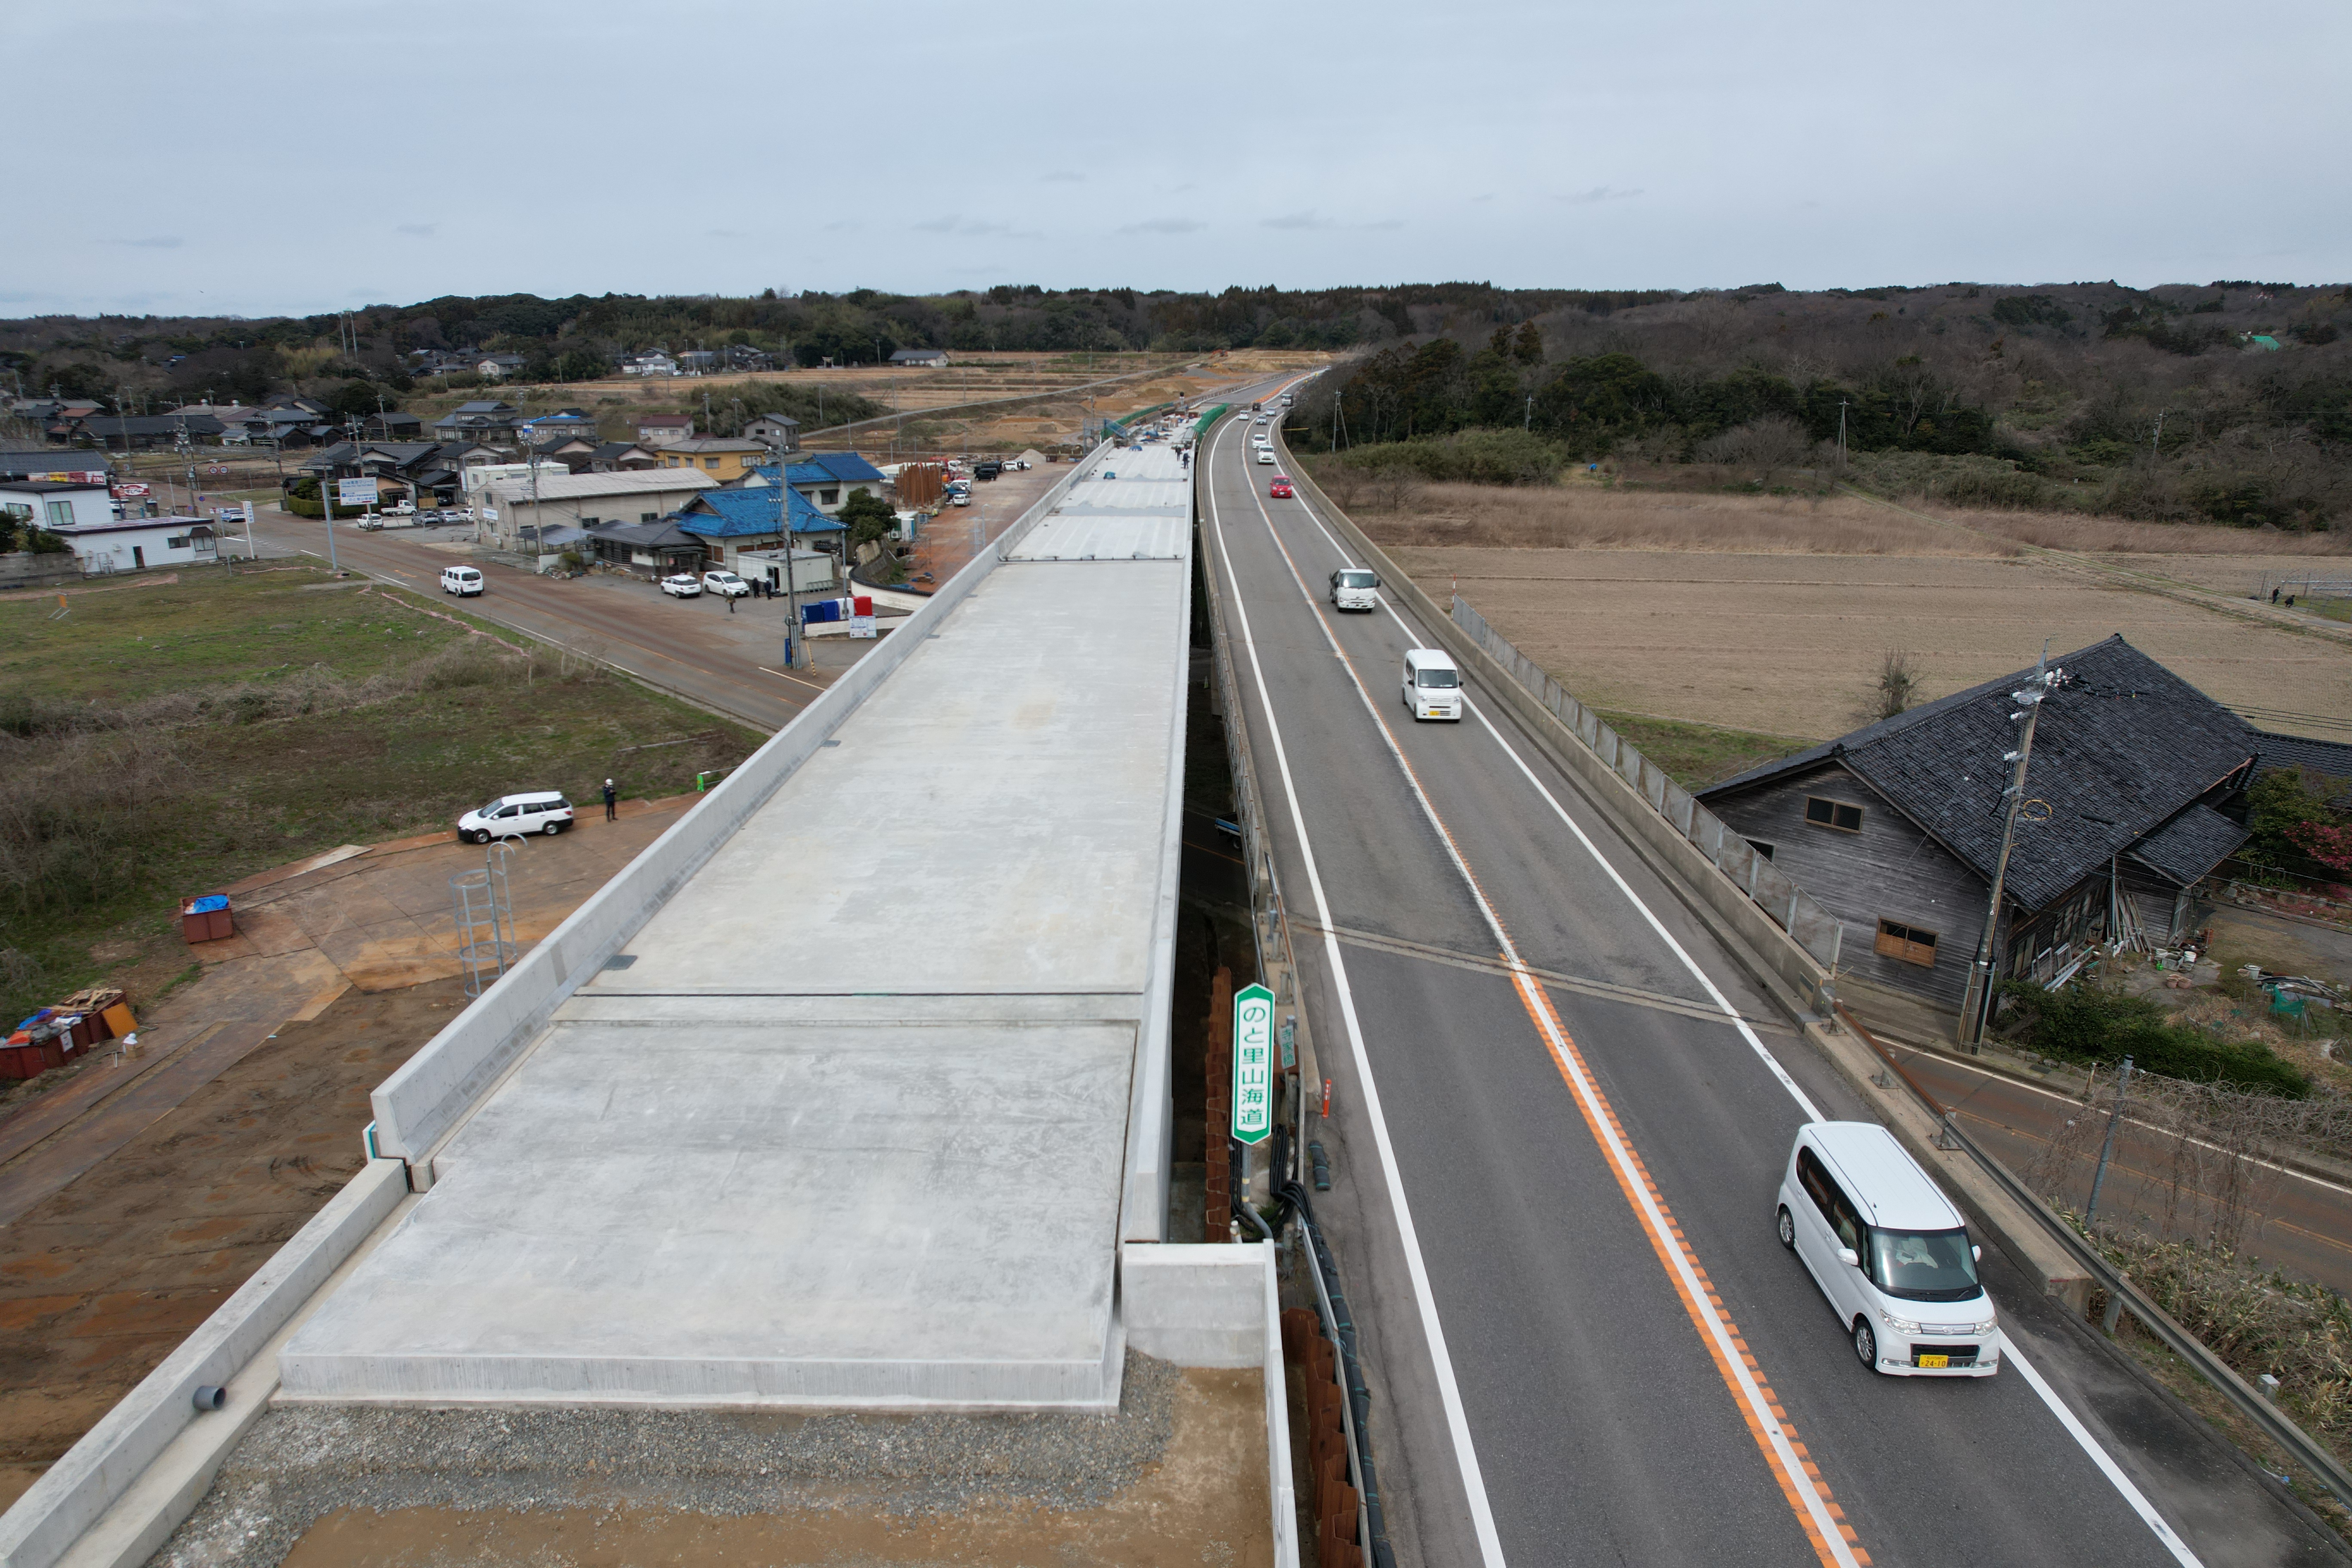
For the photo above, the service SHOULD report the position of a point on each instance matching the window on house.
(60, 513)
(176, 542)
(1835, 813)
(829, 498)
(648, 517)
(1907, 943)
(1760, 848)
(710, 462)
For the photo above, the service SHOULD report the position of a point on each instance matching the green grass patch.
(2084, 1024)
(161, 742)
(1696, 755)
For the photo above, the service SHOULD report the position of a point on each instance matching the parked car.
(1280, 490)
(959, 498)
(400, 508)
(725, 584)
(682, 585)
(512, 815)
(466, 582)
(986, 472)
(1889, 1250)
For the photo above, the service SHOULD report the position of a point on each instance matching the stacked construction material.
(50, 1037)
(206, 918)
(1337, 1511)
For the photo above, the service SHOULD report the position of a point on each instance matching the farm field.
(1764, 615)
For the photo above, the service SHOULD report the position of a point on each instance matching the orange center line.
(1810, 1499)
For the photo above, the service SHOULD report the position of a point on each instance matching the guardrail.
(2122, 1294)
(1793, 910)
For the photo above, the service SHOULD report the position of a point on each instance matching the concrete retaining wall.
(73, 1494)
(1219, 1305)
(418, 1107)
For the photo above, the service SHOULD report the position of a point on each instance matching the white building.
(56, 505)
(662, 429)
(583, 500)
(483, 475)
(137, 546)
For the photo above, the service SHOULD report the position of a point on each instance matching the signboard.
(1253, 1064)
(126, 492)
(861, 616)
(77, 476)
(355, 492)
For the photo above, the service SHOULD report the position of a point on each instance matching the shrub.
(2084, 1024)
(1482, 457)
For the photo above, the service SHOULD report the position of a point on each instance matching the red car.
(1280, 490)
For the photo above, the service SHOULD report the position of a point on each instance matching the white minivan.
(1432, 685)
(1890, 1252)
(463, 581)
(1353, 589)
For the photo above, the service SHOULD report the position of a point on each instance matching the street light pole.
(784, 525)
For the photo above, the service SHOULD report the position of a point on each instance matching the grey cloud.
(1298, 220)
(1597, 194)
(152, 242)
(1066, 176)
(725, 234)
(418, 230)
(1164, 226)
(972, 228)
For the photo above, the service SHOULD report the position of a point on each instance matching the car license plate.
(1935, 1361)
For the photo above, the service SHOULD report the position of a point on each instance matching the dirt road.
(138, 1194)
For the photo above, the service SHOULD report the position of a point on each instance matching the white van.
(463, 581)
(1352, 589)
(1889, 1251)
(512, 815)
(1432, 685)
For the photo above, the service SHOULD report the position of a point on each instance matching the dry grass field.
(1772, 614)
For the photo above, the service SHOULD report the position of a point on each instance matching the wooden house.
(1897, 827)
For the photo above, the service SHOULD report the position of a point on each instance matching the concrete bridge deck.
(860, 1110)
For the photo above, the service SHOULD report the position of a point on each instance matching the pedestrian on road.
(611, 796)
(730, 604)
(2274, 592)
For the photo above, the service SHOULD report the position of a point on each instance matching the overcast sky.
(260, 157)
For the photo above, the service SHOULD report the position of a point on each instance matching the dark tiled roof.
(2190, 845)
(2333, 758)
(2123, 744)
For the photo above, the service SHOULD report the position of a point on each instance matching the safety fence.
(1794, 911)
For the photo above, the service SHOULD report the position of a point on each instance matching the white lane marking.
(1771, 1063)
(2090, 1445)
(2066, 1417)
(1466, 1453)
(1796, 1476)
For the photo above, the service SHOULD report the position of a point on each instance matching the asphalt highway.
(1560, 1116)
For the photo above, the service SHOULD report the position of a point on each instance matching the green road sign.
(1253, 1064)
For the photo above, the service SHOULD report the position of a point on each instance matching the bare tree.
(1898, 683)
(1771, 443)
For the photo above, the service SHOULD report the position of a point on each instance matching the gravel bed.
(301, 1463)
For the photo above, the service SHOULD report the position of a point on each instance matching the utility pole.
(1840, 432)
(2107, 1149)
(1527, 420)
(1976, 1004)
(785, 522)
(2155, 441)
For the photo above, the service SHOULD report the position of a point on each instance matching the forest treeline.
(2230, 403)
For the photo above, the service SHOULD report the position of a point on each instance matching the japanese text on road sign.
(1253, 1064)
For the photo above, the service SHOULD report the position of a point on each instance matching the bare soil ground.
(100, 1282)
(1772, 614)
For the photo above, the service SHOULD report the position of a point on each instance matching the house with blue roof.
(730, 521)
(825, 479)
